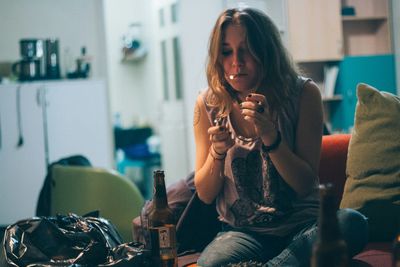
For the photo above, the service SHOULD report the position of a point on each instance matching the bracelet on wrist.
(215, 155)
(273, 146)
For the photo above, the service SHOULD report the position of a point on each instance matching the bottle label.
(163, 245)
(163, 237)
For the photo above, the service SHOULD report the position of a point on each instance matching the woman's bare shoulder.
(311, 92)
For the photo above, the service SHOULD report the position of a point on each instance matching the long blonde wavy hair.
(277, 71)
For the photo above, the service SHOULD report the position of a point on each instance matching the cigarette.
(233, 76)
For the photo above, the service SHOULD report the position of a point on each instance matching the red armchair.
(333, 169)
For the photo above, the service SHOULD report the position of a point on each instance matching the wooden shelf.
(332, 98)
(365, 33)
(364, 18)
(138, 56)
(327, 102)
(368, 31)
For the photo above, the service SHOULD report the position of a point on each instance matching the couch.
(333, 169)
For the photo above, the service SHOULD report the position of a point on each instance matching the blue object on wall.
(375, 70)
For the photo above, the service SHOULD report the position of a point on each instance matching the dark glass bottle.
(162, 226)
(396, 251)
(83, 64)
(330, 250)
(52, 59)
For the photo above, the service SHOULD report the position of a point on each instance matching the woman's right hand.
(220, 138)
(213, 140)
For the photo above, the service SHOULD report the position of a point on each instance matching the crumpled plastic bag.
(69, 240)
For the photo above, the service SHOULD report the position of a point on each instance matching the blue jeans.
(235, 246)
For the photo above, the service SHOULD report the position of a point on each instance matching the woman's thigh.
(353, 226)
(234, 246)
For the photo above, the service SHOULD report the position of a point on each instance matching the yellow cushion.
(373, 162)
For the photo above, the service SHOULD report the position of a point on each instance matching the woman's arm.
(208, 170)
(300, 167)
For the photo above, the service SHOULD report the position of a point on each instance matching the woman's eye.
(226, 52)
(244, 51)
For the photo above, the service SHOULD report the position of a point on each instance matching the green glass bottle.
(330, 250)
(396, 251)
(162, 226)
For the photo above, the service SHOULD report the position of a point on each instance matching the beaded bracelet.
(274, 146)
(215, 155)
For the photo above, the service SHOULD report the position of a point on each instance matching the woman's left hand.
(255, 110)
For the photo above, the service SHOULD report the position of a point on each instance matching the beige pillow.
(373, 162)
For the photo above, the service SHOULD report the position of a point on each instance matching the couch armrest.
(332, 167)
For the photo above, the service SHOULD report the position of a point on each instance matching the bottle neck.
(328, 222)
(160, 193)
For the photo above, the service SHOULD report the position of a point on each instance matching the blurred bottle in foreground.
(396, 251)
(161, 223)
(330, 250)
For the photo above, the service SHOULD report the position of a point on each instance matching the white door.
(172, 128)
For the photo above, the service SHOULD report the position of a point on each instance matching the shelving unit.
(357, 43)
(314, 30)
(368, 31)
(368, 58)
(315, 70)
(329, 104)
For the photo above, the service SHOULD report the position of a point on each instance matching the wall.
(75, 23)
(133, 90)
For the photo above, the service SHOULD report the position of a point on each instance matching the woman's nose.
(237, 60)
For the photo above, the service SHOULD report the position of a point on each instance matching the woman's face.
(240, 67)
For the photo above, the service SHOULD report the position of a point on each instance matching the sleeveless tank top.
(254, 196)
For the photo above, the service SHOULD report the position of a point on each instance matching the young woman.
(258, 130)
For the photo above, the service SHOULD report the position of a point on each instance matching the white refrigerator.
(42, 122)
